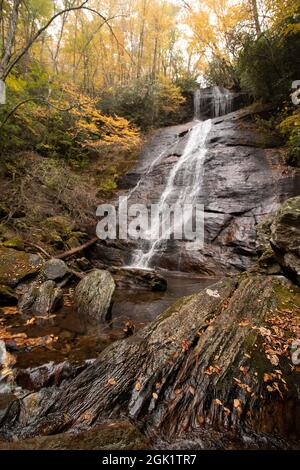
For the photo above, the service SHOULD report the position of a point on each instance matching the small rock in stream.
(55, 269)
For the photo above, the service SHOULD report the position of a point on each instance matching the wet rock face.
(245, 178)
(93, 298)
(139, 279)
(15, 266)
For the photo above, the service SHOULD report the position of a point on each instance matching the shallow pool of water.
(141, 307)
(39, 340)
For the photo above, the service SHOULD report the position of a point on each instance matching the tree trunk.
(256, 17)
(10, 40)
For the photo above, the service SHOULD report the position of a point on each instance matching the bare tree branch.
(7, 67)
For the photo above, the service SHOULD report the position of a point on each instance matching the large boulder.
(93, 297)
(55, 269)
(285, 237)
(41, 299)
(16, 266)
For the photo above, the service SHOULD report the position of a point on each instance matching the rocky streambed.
(129, 368)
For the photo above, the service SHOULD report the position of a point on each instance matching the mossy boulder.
(93, 298)
(16, 266)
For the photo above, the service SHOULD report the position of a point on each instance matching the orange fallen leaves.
(112, 381)
(214, 369)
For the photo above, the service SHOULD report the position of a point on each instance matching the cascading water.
(212, 102)
(197, 104)
(222, 101)
(183, 187)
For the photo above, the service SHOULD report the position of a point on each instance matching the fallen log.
(78, 249)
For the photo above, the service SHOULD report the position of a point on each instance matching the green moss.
(60, 224)
(175, 307)
(16, 243)
(287, 296)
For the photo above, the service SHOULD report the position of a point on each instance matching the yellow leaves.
(138, 386)
(154, 396)
(16, 84)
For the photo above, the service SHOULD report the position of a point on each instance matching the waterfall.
(183, 186)
(212, 102)
(222, 101)
(197, 104)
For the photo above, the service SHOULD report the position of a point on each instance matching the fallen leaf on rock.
(244, 323)
(185, 345)
(274, 360)
(268, 377)
(138, 386)
(236, 403)
(217, 402)
(112, 381)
